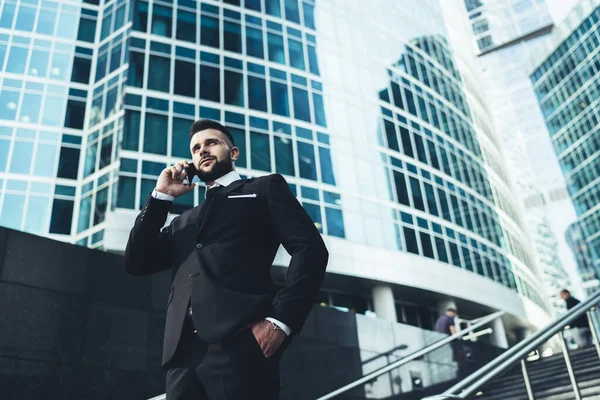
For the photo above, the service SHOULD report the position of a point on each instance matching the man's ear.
(235, 153)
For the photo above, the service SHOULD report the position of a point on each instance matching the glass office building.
(567, 84)
(375, 125)
(505, 34)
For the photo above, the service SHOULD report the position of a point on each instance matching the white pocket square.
(241, 196)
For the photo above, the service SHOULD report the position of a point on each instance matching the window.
(441, 249)
(430, 196)
(273, 7)
(155, 133)
(7, 16)
(260, 151)
(125, 193)
(25, 18)
(306, 161)
(279, 99)
(159, 73)
(17, 58)
(185, 78)
(234, 88)
(411, 240)
(254, 42)
(253, 5)
(335, 222)
(85, 210)
(209, 83)
(37, 213)
(115, 58)
(180, 139)
(416, 194)
(62, 214)
(239, 138)
(401, 190)
(275, 47)
(81, 70)
(136, 69)
(30, 108)
(392, 139)
(232, 37)
(257, 93)
(21, 151)
(162, 20)
(140, 16)
(183, 203)
(309, 15)
(319, 110)
(292, 13)
(186, 26)
(312, 60)
(209, 31)
(101, 204)
(68, 163)
(314, 212)
(301, 105)
(131, 130)
(75, 114)
(296, 54)
(45, 160)
(106, 151)
(12, 211)
(284, 156)
(426, 244)
(326, 166)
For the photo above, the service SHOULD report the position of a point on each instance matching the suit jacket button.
(199, 246)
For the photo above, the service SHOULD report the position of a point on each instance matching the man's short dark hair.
(565, 291)
(451, 310)
(205, 123)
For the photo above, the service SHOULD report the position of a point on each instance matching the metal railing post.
(567, 357)
(526, 379)
(593, 330)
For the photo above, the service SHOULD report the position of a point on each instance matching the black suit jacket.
(222, 262)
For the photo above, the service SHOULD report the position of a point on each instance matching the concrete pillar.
(383, 303)
(498, 337)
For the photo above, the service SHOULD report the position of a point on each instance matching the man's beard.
(219, 169)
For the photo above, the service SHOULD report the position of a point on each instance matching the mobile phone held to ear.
(190, 173)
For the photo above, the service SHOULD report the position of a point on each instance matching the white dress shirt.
(225, 180)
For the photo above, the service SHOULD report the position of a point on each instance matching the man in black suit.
(226, 324)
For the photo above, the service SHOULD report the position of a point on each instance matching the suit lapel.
(218, 199)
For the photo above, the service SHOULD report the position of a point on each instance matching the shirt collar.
(225, 180)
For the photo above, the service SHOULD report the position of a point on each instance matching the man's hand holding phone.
(171, 179)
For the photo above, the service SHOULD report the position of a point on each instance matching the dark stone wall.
(76, 326)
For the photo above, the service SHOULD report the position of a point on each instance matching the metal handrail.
(470, 385)
(413, 356)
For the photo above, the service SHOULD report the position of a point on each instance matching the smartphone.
(190, 173)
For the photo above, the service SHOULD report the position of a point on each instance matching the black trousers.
(235, 369)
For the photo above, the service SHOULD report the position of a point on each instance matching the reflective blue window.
(273, 7)
(306, 161)
(319, 110)
(60, 68)
(85, 209)
(159, 73)
(180, 146)
(183, 203)
(234, 88)
(390, 132)
(12, 210)
(17, 58)
(67, 26)
(30, 108)
(301, 105)
(37, 215)
(209, 83)
(292, 13)
(314, 211)
(140, 16)
(68, 163)
(309, 15)
(185, 78)
(209, 31)
(126, 192)
(90, 159)
(54, 111)
(296, 53)
(279, 99)
(253, 5)
(284, 156)
(105, 30)
(312, 60)
(119, 17)
(257, 93)
(155, 134)
(426, 244)
(45, 160)
(131, 130)
(101, 66)
(25, 18)
(62, 214)
(326, 166)
(411, 240)
(254, 42)
(2, 55)
(260, 151)
(275, 46)
(239, 138)
(416, 194)
(186, 26)
(101, 204)
(162, 20)
(7, 16)
(232, 36)
(335, 222)
(106, 151)
(21, 156)
(38, 64)
(115, 58)
(8, 104)
(4, 148)
(136, 69)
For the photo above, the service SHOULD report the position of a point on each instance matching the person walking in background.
(581, 326)
(226, 324)
(446, 323)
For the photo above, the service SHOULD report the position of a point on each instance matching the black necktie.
(210, 194)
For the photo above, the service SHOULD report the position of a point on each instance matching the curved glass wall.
(370, 121)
